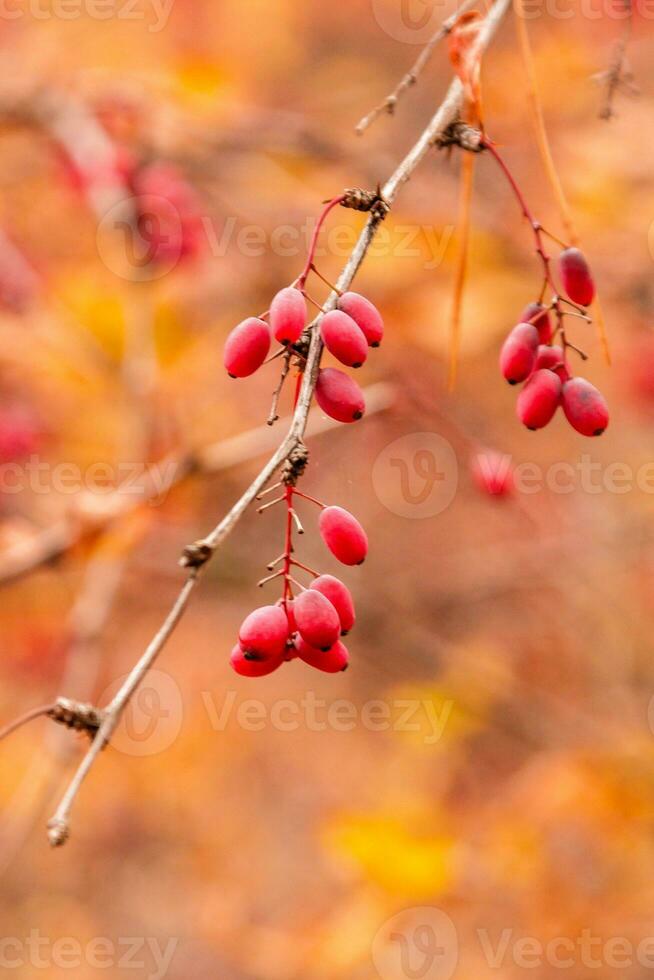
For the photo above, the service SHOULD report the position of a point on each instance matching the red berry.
(519, 353)
(331, 661)
(343, 535)
(575, 276)
(343, 338)
(264, 632)
(539, 399)
(247, 347)
(365, 315)
(585, 407)
(253, 668)
(288, 315)
(339, 396)
(317, 620)
(538, 315)
(339, 596)
(492, 473)
(552, 358)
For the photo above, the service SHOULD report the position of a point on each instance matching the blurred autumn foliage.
(490, 751)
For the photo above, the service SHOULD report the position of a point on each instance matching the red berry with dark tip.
(253, 668)
(539, 317)
(365, 315)
(317, 620)
(585, 407)
(519, 353)
(246, 348)
(576, 277)
(339, 396)
(264, 632)
(340, 597)
(343, 338)
(539, 399)
(343, 535)
(331, 661)
(288, 315)
(493, 473)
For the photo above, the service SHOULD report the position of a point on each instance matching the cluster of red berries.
(309, 625)
(306, 622)
(529, 354)
(347, 332)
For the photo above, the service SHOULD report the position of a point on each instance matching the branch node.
(361, 200)
(77, 715)
(196, 555)
(460, 134)
(295, 464)
(58, 831)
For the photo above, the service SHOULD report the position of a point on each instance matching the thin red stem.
(313, 244)
(538, 232)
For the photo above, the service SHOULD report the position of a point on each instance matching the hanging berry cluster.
(531, 353)
(306, 622)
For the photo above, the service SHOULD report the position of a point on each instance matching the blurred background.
(480, 782)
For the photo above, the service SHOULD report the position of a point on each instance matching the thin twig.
(25, 718)
(197, 555)
(618, 75)
(389, 104)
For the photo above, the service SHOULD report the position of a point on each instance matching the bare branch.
(201, 552)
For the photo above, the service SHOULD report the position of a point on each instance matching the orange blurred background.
(484, 770)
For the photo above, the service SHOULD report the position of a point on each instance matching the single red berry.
(246, 348)
(538, 315)
(317, 620)
(331, 661)
(253, 668)
(288, 315)
(553, 359)
(340, 597)
(264, 632)
(519, 353)
(576, 277)
(539, 399)
(493, 473)
(365, 315)
(585, 407)
(339, 396)
(343, 535)
(343, 338)
(21, 434)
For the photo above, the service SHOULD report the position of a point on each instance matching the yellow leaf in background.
(97, 309)
(201, 80)
(391, 856)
